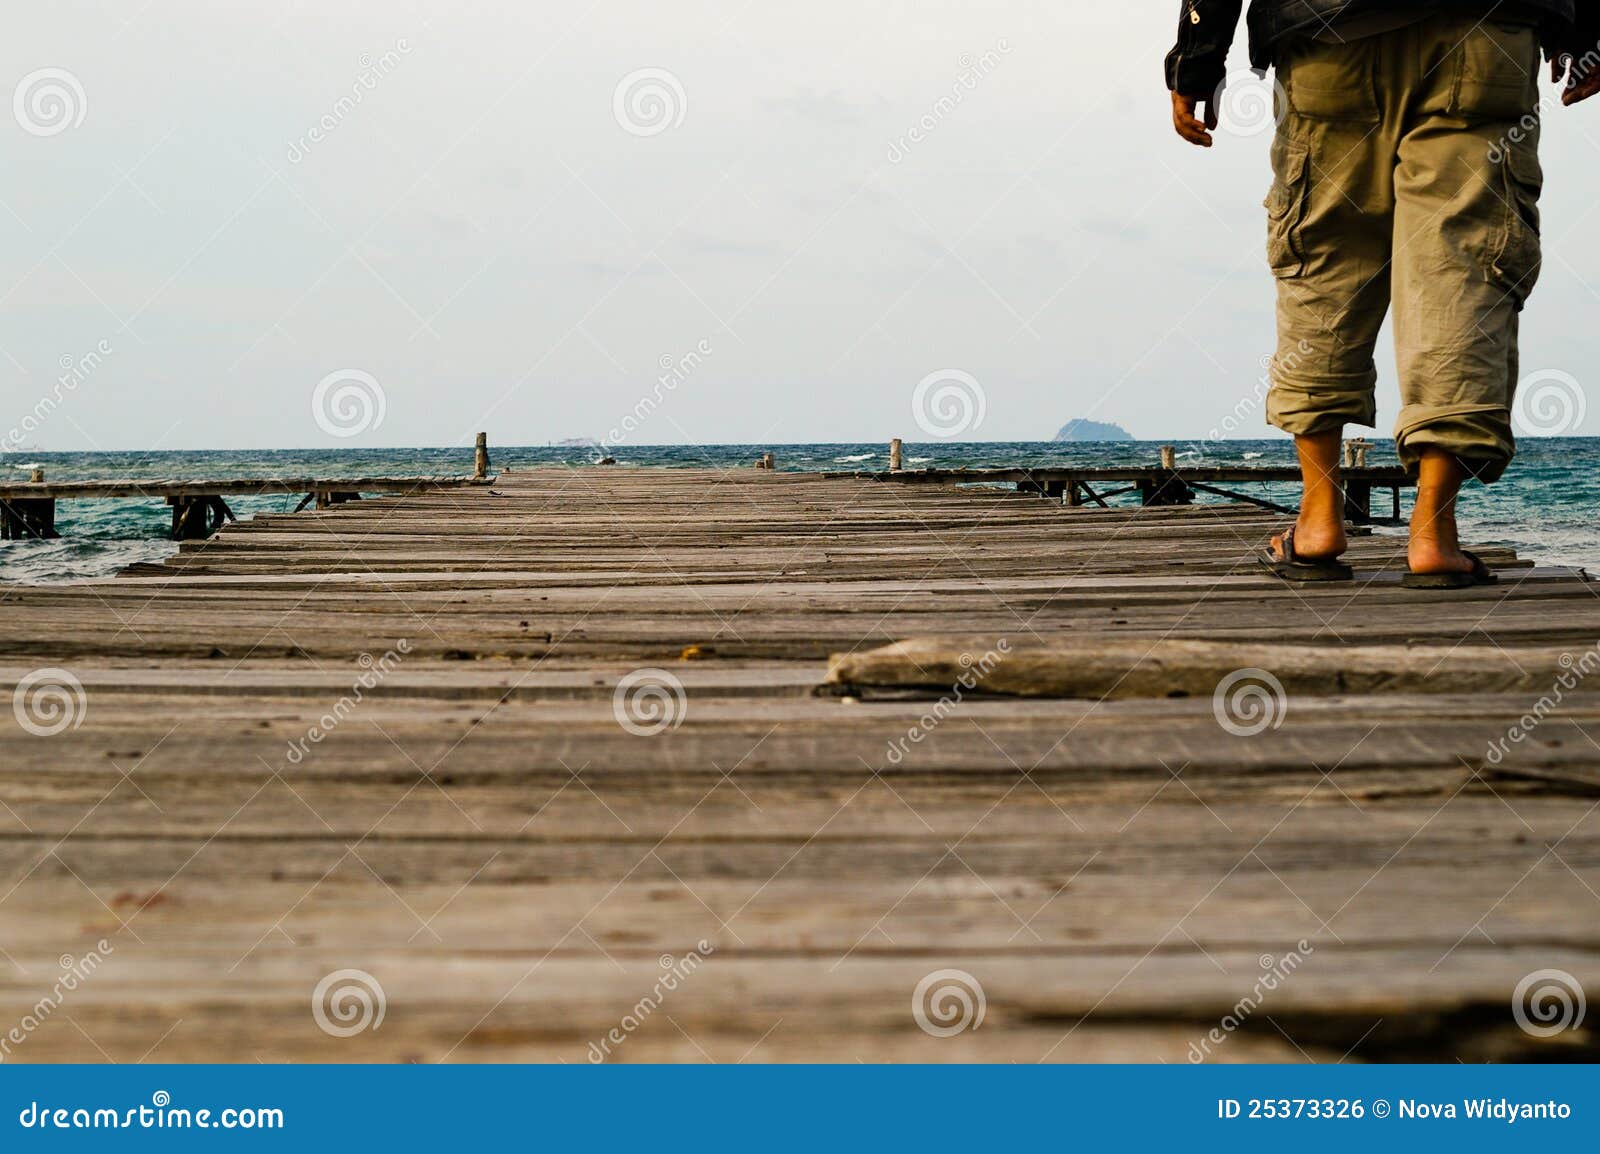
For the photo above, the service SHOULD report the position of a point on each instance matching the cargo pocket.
(1286, 208)
(1517, 259)
(1497, 73)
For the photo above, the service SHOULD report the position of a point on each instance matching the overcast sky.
(501, 234)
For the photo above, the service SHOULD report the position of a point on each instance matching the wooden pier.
(199, 508)
(689, 765)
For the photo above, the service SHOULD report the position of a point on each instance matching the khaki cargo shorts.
(1406, 173)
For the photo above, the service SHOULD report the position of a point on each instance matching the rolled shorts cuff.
(1479, 436)
(1301, 405)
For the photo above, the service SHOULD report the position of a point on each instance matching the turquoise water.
(1545, 507)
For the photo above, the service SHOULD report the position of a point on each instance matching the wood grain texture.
(390, 737)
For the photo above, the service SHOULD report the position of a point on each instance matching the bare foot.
(1431, 555)
(1319, 540)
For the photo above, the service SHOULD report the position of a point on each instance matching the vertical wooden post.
(1349, 455)
(1169, 457)
(37, 476)
(894, 455)
(480, 458)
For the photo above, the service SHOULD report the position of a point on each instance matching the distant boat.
(1081, 430)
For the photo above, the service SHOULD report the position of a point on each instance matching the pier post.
(196, 518)
(29, 517)
(1165, 487)
(1358, 501)
(480, 458)
(894, 455)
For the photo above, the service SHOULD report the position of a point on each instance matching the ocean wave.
(855, 458)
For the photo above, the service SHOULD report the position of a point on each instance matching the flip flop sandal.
(1292, 567)
(1480, 575)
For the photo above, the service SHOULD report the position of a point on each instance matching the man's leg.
(1466, 258)
(1435, 546)
(1330, 238)
(1319, 530)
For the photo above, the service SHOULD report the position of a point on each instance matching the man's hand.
(1579, 85)
(1191, 127)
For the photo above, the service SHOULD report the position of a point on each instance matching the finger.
(1211, 113)
(1193, 131)
(1183, 119)
(1584, 88)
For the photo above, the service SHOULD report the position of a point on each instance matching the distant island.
(1081, 430)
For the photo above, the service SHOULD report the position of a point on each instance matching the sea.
(1545, 507)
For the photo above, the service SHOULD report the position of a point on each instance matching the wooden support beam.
(894, 455)
(480, 458)
(1249, 500)
(192, 517)
(28, 519)
(1092, 495)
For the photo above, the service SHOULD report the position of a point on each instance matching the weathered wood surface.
(476, 829)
